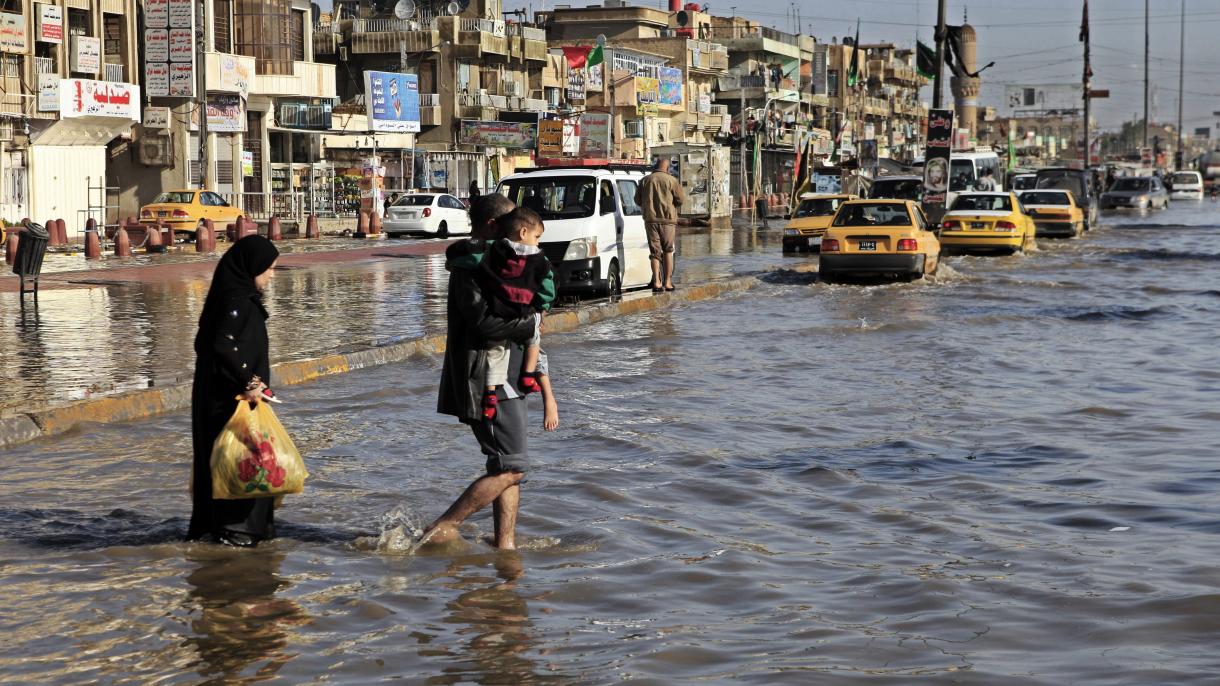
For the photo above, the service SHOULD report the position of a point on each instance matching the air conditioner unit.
(633, 128)
(512, 89)
(156, 149)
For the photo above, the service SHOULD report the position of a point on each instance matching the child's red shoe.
(489, 405)
(528, 383)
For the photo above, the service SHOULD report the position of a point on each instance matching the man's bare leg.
(656, 271)
(504, 510)
(478, 495)
(669, 270)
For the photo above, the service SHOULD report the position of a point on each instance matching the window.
(1045, 198)
(606, 198)
(626, 195)
(553, 197)
(177, 198)
(982, 203)
(873, 214)
(262, 30)
(78, 22)
(961, 174)
(817, 207)
(298, 36)
(223, 23)
(1130, 184)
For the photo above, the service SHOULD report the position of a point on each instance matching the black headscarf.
(234, 278)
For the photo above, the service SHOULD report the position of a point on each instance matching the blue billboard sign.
(392, 101)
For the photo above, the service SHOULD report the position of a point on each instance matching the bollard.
(205, 237)
(231, 231)
(246, 227)
(362, 224)
(52, 232)
(122, 244)
(760, 209)
(10, 245)
(63, 232)
(168, 237)
(274, 232)
(311, 227)
(374, 224)
(93, 243)
(152, 239)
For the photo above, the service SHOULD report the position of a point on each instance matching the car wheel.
(442, 231)
(789, 248)
(826, 276)
(614, 281)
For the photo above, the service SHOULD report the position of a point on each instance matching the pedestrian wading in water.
(231, 360)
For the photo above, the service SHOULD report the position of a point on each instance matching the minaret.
(966, 88)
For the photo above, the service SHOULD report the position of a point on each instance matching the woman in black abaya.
(231, 360)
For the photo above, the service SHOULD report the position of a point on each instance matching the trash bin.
(31, 248)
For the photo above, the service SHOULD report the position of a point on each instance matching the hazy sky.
(1031, 41)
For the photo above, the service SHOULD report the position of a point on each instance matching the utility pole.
(203, 38)
(1179, 153)
(1088, 71)
(1146, 75)
(940, 54)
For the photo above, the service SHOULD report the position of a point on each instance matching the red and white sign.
(181, 45)
(50, 24)
(182, 80)
(156, 45)
(156, 78)
(86, 54)
(156, 14)
(12, 33)
(89, 98)
(181, 14)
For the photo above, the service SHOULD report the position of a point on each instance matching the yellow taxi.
(184, 210)
(808, 224)
(879, 237)
(1055, 213)
(991, 221)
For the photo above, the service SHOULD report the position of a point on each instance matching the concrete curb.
(52, 421)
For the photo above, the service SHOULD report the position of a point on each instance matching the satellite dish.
(683, 18)
(601, 39)
(452, 8)
(404, 9)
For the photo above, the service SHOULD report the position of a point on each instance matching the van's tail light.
(146, 213)
(1005, 226)
(427, 211)
(180, 214)
(907, 245)
(950, 224)
(830, 245)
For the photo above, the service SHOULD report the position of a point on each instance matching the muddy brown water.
(1004, 475)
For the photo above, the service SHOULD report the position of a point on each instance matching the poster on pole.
(392, 101)
(936, 161)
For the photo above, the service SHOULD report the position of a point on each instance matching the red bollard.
(247, 227)
(274, 232)
(10, 245)
(168, 237)
(63, 231)
(52, 232)
(362, 224)
(122, 244)
(93, 243)
(374, 224)
(205, 237)
(231, 231)
(311, 227)
(152, 239)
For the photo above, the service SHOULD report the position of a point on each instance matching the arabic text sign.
(391, 101)
(669, 85)
(181, 14)
(50, 24)
(595, 135)
(182, 80)
(169, 48)
(550, 137)
(647, 95)
(156, 78)
(936, 157)
(156, 14)
(236, 74)
(48, 92)
(226, 114)
(86, 54)
(156, 117)
(498, 134)
(89, 98)
(12, 33)
(156, 45)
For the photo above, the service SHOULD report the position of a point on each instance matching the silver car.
(1139, 192)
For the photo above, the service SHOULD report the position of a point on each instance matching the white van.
(594, 236)
(966, 168)
(1187, 185)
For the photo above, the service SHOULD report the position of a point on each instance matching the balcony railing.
(429, 100)
(494, 27)
(44, 65)
(386, 24)
(527, 32)
(727, 32)
(114, 73)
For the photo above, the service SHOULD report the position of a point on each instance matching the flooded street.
(1004, 474)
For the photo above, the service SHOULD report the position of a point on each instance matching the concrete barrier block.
(19, 429)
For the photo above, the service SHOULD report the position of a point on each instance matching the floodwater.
(1003, 475)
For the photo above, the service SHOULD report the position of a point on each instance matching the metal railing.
(429, 100)
(491, 26)
(262, 206)
(44, 65)
(114, 73)
(749, 32)
(527, 32)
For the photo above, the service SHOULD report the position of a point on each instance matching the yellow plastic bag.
(253, 457)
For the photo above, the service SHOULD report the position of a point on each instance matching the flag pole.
(940, 54)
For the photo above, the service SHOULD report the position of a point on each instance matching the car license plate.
(163, 214)
(867, 245)
(978, 225)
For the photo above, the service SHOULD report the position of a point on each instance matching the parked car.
(987, 222)
(897, 188)
(1024, 182)
(1140, 192)
(183, 211)
(595, 236)
(438, 214)
(1055, 213)
(879, 237)
(1079, 182)
(811, 219)
(1186, 185)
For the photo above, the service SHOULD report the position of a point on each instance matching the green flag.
(853, 72)
(595, 57)
(925, 60)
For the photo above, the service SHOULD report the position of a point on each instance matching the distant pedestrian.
(474, 189)
(986, 182)
(388, 203)
(660, 195)
(232, 359)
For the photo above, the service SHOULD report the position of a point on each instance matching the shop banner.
(50, 24)
(576, 86)
(12, 33)
(89, 98)
(48, 92)
(550, 138)
(236, 74)
(595, 135)
(169, 48)
(392, 101)
(936, 161)
(156, 78)
(156, 45)
(156, 117)
(226, 114)
(669, 87)
(498, 134)
(647, 96)
(247, 163)
(86, 54)
(705, 103)
(593, 78)
(156, 14)
(181, 14)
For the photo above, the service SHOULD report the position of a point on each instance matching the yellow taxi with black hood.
(879, 238)
(987, 222)
(810, 220)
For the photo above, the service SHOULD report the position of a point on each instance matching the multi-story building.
(883, 106)
(268, 103)
(68, 103)
(481, 82)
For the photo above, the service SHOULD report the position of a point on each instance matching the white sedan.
(438, 214)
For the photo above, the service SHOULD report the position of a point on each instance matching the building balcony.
(115, 73)
(477, 37)
(755, 39)
(44, 65)
(382, 35)
(308, 80)
(707, 57)
(325, 40)
(429, 109)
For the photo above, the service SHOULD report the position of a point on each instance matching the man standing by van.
(660, 195)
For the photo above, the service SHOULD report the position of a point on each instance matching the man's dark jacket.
(471, 325)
